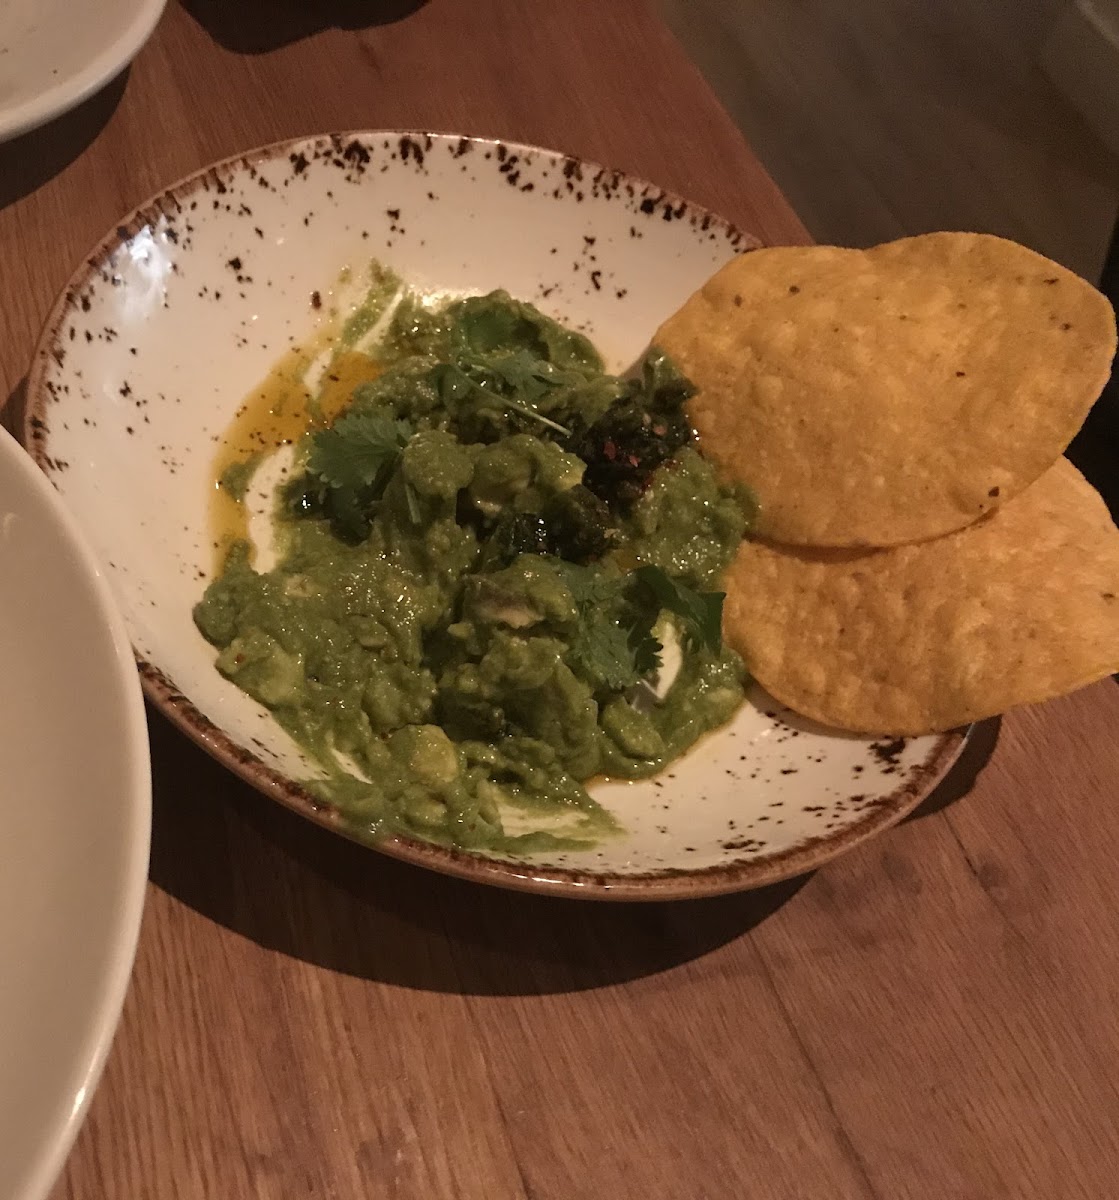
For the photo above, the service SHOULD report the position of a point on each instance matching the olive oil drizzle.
(278, 412)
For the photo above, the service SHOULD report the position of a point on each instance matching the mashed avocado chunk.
(479, 563)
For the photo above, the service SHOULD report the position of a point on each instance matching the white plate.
(75, 817)
(184, 308)
(56, 53)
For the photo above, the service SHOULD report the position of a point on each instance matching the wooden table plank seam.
(843, 1137)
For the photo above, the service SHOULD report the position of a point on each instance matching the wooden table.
(934, 1016)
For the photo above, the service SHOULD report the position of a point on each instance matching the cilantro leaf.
(522, 372)
(701, 612)
(452, 383)
(529, 378)
(613, 645)
(602, 653)
(588, 586)
(357, 450)
(526, 411)
(494, 323)
(646, 651)
(487, 382)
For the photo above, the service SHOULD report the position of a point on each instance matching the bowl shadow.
(962, 775)
(250, 865)
(12, 410)
(257, 26)
(31, 159)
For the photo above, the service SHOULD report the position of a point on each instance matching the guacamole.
(485, 562)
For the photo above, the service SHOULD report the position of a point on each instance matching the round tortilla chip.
(883, 396)
(1017, 608)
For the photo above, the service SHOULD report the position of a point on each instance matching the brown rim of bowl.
(668, 884)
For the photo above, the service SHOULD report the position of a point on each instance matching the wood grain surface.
(935, 1015)
(881, 118)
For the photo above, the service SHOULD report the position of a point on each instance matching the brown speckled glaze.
(183, 307)
(668, 883)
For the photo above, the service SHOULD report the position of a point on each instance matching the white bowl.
(75, 819)
(183, 309)
(56, 53)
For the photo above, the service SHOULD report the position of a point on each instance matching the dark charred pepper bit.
(513, 534)
(625, 447)
(666, 390)
(580, 528)
(575, 525)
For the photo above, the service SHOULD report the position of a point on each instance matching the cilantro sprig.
(350, 465)
(515, 381)
(700, 613)
(608, 655)
(613, 646)
(358, 450)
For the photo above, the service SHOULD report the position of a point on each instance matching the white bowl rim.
(73, 90)
(133, 884)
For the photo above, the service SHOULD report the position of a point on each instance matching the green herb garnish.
(613, 645)
(604, 653)
(358, 450)
(700, 612)
(487, 383)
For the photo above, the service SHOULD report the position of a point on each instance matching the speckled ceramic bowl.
(183, 309)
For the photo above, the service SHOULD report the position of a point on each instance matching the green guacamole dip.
(482, 563)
